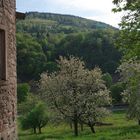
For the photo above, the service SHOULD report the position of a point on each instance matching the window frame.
(3, 76)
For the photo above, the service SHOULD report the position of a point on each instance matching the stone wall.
(8, 85)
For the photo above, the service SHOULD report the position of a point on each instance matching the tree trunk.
(39, 129)
(92, 128)
(138, 122)
(76, 127)
(34, 130)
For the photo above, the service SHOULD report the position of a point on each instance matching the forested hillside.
(43, 37)
(43, 23)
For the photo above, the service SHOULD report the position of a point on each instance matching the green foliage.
(129, 40)
(40, 24)
(28, 104)
(31, 61)
(22, 92)
(76, 93)
(95, 48)
(129, 43)
(36, 118)
(130, 72)
(116, 92)
(108, 79)
(43, 37)
(51, 67)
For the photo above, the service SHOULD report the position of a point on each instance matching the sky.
(99, 10)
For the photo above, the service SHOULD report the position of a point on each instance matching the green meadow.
(121, 129)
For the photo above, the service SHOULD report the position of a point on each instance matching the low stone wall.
(8, 101)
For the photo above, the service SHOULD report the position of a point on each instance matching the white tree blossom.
(130, 73)
(76, 92)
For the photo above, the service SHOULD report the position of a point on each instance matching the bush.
(116, 91)
(22, 92)
(37, 118)
(108, 79)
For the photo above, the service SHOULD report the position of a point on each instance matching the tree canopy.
(31, 60)
(35, 118)
(77, 93)
(22, 92)
(129, 41)
(130, 72)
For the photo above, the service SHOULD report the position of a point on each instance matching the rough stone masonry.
(7, 71)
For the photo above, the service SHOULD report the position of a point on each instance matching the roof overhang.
(20, 15)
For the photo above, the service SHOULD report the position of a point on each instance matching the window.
(2, 55)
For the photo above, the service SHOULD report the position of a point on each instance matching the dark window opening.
(2, 55)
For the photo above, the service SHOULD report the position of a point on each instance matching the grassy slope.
(121, 129)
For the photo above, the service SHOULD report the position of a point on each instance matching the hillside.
(43, 37)
(44, 23)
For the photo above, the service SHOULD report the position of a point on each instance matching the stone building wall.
(8, 84)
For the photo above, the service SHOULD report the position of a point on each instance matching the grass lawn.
(121, 129)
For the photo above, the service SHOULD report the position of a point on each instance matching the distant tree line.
(35, 55)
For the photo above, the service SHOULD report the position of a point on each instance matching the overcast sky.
(99, 10)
